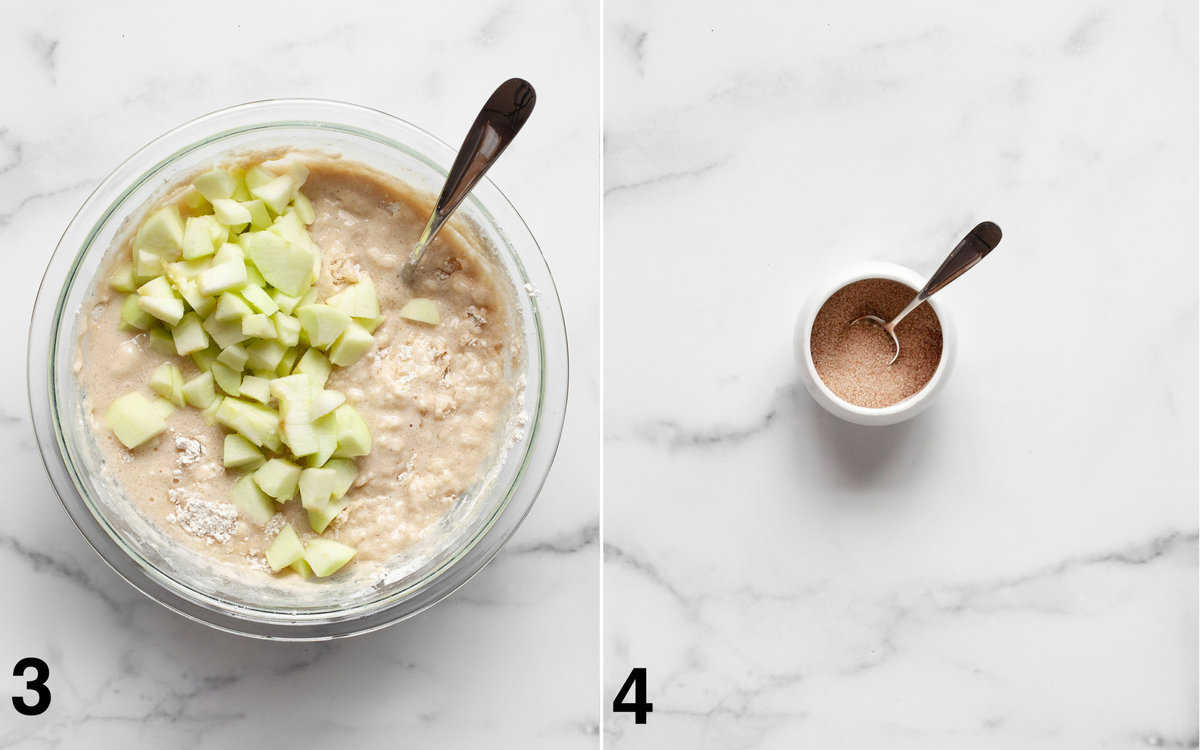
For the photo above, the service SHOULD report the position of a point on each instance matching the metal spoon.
(498, 123)
(979, 242)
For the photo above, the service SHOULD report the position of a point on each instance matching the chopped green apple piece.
(285, 265)
(122, 279)
(317, 486)
(228, 253)
(199, 238)
(287, 328)
(256, 176)
(234, 357)
(231, 306)
(240, 191)
(156, 287)
(199, 391)
(301, 568)
(146, 264)
(209, 413)
(326, 556)
(320, 515)
(260, 218)
(325, 402)
(215, 184)
(239, 452)
(222, 277)
(354, 342)
(194, 200)
(260, 300)
(258, 424)
(316, 366)
(276, 193)
(285, 550)
(295, 395)
(161, 234)
(252, 502)
(226, 333)
(278, 478)
(167, 309)
(133, 316)
(322, 323)
(189, 335)
(325, 429)
(286, 302)
(346, 472)
(288, 361)
(357, 300)
(304, 208)
(258, 326)
(354, 438)
(161, 341)
(231, 213)
(134, 419)
(228, 379)
(204, 359)
(167, 381)
(256, 388)
(421, 310)
(190, 292)
(301, 438)
(265, 355)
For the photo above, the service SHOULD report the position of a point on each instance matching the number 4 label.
(639, 707)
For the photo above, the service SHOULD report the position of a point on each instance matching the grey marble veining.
(86, 86)
(1017, 567)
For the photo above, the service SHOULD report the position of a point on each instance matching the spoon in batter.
(979, 242)
(496, 126)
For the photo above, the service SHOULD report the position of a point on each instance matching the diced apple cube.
(283, 264)
(256, 176)
(122, 279)
(346, 473)
(357, 300)
(228, 379)
(287, 328)
(222, 277)
(320, 515)
(215, 184)
(260, 218)
(260, 300)
(354, 342)
(258, 326)
(252, 502)
(317, 486)
(300, 438)
(231, 213)
(256, 388)
(199, 391)
(316, 366)
(134, 419)
(322, 323)
(161, 234)
(209, 413)
(258, 424)
(285, 550)
(302, 569)
(194, 200)
(354, 438)
(231, 306)
(224, 333)
(286, 302)
(167, 309)
(228, 253)
(156, 287)
(239, 452)
(189, 335)
(132, 314)
(326, 556)
(161, 341)
(167, 381)
(234, 357)
(278, 478)
(276, 193)
(146, 264)
(198, 239)
(265, 355)
(240, 191)
(325, 429)
(325, 402)
(204, 359)
(421, 310)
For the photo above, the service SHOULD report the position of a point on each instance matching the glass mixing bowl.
(181, 579)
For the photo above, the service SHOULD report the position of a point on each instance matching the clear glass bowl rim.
(545, 424)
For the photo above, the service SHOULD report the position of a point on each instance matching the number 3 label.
(35, 684)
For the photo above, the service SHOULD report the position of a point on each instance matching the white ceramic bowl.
(834, 404)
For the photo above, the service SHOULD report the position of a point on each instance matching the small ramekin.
(836, 405)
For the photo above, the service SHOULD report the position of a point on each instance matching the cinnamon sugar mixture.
(853, 360)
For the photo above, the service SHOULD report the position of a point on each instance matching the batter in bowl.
(439, 399)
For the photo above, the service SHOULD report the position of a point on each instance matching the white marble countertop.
(511, 659)
(1015, 568)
